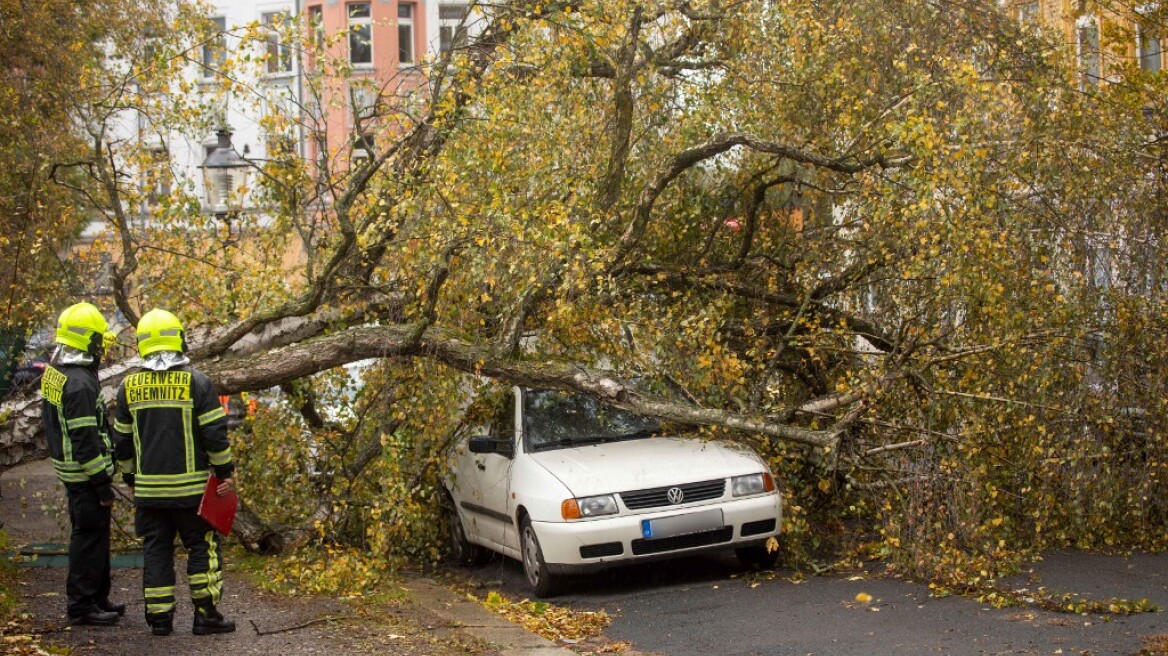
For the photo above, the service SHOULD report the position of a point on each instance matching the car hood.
(645, 463)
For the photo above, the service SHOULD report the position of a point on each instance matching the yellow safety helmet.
(159, 330)
(82, 327)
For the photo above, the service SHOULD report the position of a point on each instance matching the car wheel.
(757, 556)
(542, 582)
(459, 550)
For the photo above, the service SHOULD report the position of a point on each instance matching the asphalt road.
(709, 605)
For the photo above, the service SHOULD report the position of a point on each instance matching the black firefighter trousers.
(157, 527)
(88, 583)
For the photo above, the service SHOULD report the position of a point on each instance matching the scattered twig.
(893, 447)
(307, 624)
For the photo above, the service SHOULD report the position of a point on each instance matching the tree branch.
(721, 144)
(310, 356)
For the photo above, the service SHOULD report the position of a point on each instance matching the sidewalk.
(433, 620)
(471, 617)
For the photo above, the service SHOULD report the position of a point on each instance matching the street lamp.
(225, 177)
(225, 180)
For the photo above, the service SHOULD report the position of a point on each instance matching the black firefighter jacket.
(75, 427)
(170, 430)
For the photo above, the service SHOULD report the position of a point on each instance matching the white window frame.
(157, 176)
(1084, 22)
(361, 21)
(455, 26)
(364, 96)
(280, 61)
(211, 64)
(1035, 20)
(315, 24)
(407, 22)
(281, 102)
(1141, 12)
(360, 153)
(1158, 55)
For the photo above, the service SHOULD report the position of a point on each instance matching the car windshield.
(554, 420)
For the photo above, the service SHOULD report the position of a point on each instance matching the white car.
(565, 485)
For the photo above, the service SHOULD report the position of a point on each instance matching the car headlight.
(742, 486)
(604, 504)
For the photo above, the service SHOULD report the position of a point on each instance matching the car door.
(485, 478)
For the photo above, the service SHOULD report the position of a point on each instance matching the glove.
(105, 492)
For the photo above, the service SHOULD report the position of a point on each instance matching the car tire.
(460, 550)
(757, 556)
(541, 581)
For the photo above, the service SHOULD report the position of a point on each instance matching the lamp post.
(225, 181)
(225, 177)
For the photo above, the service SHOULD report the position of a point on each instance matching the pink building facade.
(384, 44)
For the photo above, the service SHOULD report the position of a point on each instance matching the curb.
(471, 618)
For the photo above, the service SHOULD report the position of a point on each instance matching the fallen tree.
(794, 224)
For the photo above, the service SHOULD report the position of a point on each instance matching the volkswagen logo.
(675, 495)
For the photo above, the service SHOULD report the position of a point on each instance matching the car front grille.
(601, 550)
(755, 528)
(659, 496)
(643, 547)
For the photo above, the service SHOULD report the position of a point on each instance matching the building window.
(316, 26)
(279, 125)
(1030, 14)
(215, 47)
(279, 54)
(1089, 54)
(405, 33)
(1149, 47)
(451, 30)
(363, 148)
(363, 97)
(143, 122)
(156, 178)
(360, 34)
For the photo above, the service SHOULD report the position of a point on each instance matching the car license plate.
(695, 522)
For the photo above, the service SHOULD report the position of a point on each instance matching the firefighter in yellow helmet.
(171, 431)
(79, 446)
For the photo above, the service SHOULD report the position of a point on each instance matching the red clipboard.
(219, 511)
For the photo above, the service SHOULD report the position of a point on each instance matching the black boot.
(161, 623)
(110, 607)
(95, 617)
(208, 620)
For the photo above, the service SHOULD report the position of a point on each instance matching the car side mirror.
(488, 444)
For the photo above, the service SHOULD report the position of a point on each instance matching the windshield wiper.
(636, 435)
(570, 441)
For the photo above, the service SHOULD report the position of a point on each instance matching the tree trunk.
(255, 534)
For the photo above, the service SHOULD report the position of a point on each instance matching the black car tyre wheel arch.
(459, 550)
(542, 582)
(757, 555)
